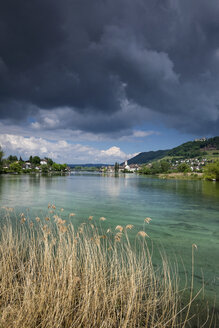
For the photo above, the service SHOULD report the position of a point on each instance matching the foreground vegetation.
(52, 275)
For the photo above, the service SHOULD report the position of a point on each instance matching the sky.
(99, 81)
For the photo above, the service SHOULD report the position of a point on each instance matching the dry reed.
(54, 276)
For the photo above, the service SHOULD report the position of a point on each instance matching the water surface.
(183, 212)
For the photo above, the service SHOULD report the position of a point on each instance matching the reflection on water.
(183, 212)
(112, 187)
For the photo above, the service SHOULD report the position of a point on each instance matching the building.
(202, 139)
(43, 162)
(27, 165)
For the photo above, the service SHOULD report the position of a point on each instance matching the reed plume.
(53, 275)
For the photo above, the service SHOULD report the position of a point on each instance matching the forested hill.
(195, 148)
(146, 157)
(187, 150)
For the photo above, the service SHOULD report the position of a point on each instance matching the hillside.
(191, 149)
(146, 157)
(195, 148)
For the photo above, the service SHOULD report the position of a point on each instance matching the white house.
(27, 165)
(43, 162)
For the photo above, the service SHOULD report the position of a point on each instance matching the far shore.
(35, 173)
(173, 175)
(182, 176)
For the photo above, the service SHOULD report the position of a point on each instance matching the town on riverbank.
(192, 160)
(198, 159)
(198, 168)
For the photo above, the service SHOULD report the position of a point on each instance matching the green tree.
(211, 171)
(1, 158)
(31, 159)
(36, 160)
(145, 170)
(156, 168)
(116, 167)
(56, 167)
(63, 167)
(59, 167)
(12, 158)
(164, 166)
(183, 167)
(15, 167)
(49, 161)
(45, 168)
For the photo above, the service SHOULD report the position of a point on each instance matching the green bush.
(45, 168)
(59, 167)
(183, 167)
(15, 167)
(145, 170)
(211, 171)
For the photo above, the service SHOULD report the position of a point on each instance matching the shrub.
(183, 167)
(45, 168)
(211, 171)
(15, 167)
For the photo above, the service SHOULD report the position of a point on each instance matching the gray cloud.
(106, 66)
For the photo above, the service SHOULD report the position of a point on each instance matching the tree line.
(163, 166)
(210, 171)
(12, 164)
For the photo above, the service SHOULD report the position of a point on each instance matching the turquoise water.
(183, 212)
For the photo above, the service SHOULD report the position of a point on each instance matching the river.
(183, 212)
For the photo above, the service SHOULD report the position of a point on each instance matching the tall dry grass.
(53, 276)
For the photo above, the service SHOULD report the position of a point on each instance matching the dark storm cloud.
(110, 64)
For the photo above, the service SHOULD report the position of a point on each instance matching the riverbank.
(181, 176)
(36, 173)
